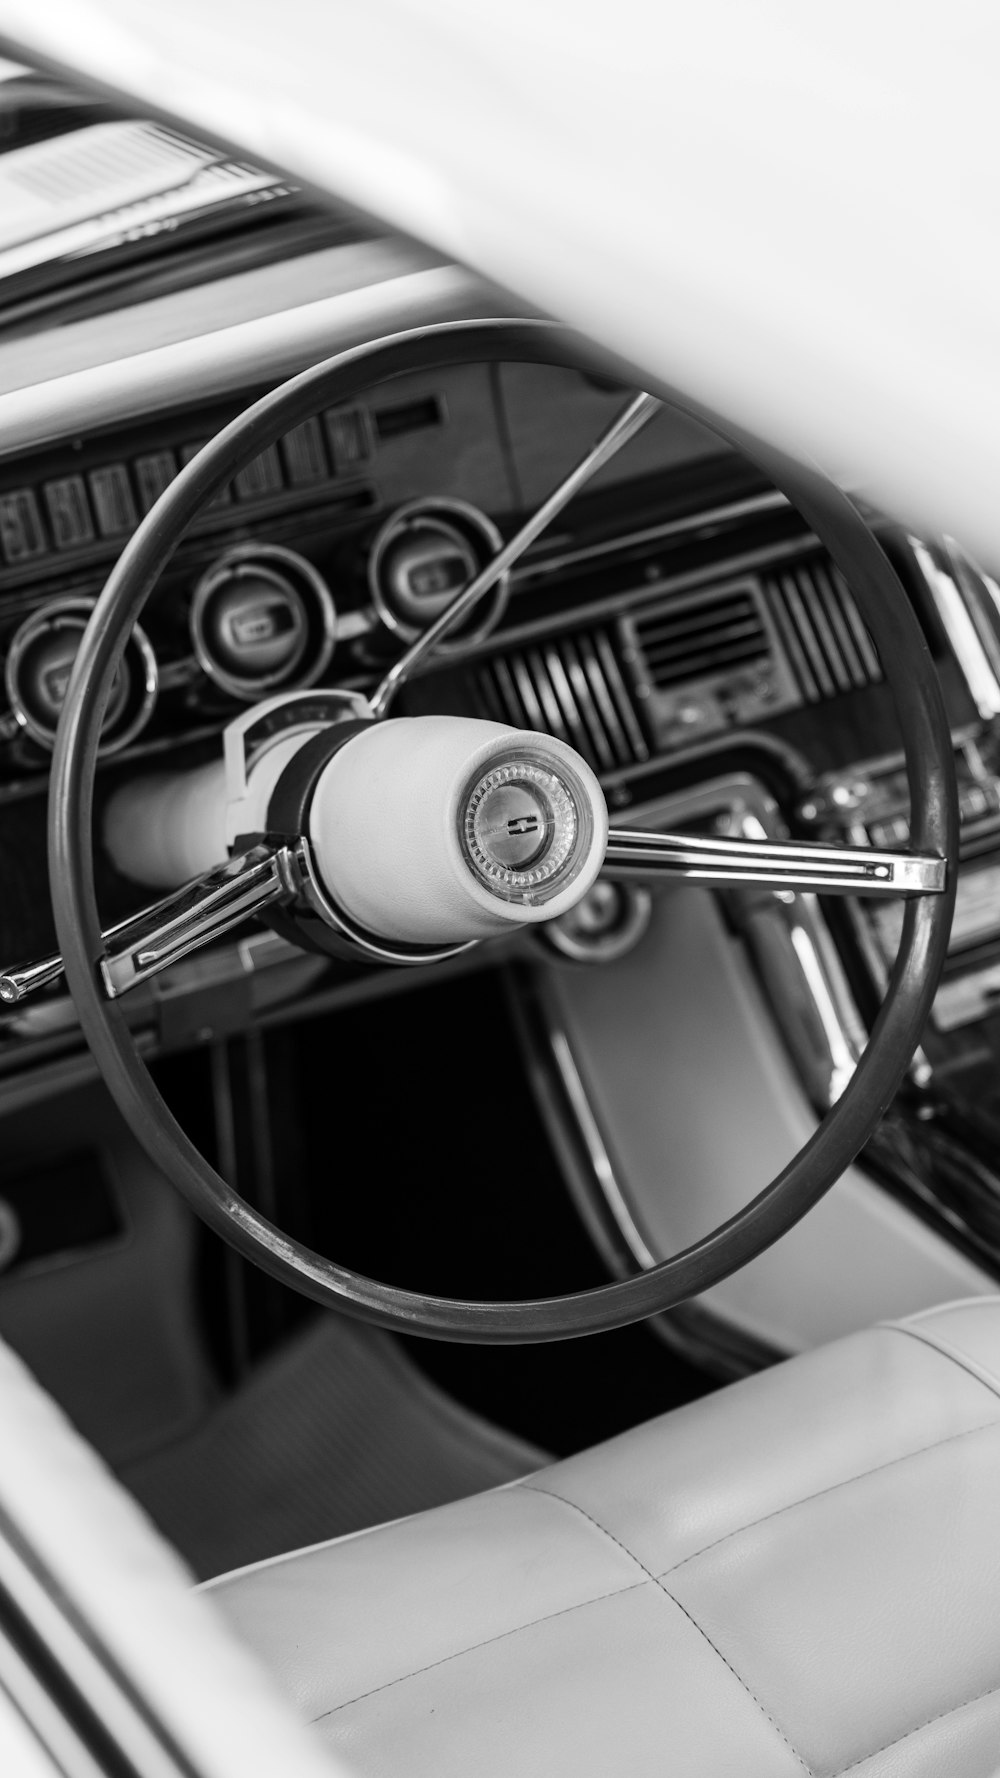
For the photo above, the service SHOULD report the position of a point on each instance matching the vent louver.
(572, 689)
(822, 633)
(693, 639)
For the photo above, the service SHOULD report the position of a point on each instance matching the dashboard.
(679, 626)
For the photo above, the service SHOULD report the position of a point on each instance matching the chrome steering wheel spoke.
(768, 864)
(182, 922)
(625, 426)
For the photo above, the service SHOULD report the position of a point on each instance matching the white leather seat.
(799, 1573)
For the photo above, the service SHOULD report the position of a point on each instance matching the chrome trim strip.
(573, 719)
(515, 670)
(620, 696)
(586, 702)
(769, 864)
(945, 588)
(597, 1154)
(545, 693)
(700, 1334)
(597, 680)
(843, 1054)
(750, 507)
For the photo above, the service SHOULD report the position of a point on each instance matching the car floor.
(246, 1422)
(335, 1431)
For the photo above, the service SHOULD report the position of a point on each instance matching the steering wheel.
(922, 873)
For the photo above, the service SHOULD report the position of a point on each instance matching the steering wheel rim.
(829, 1151)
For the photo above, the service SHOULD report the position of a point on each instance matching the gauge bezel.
(282, 563)
(473, 526)
(145, 680)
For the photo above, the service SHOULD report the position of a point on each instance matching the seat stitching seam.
(952, 1710)
(474, 1647)
(848, 1481)
(533, 1489)
(739, 1677)
(972, 1368)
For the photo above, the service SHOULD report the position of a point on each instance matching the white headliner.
(787, 211)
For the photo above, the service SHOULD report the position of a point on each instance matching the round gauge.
(423, 556)
(262, 618)
(39, 662)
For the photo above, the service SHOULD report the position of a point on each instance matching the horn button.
(521, 830)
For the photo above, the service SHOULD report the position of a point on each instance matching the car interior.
(542, 1288)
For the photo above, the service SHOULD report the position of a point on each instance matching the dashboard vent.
(691, 639)
(827, 645)
(573, 689)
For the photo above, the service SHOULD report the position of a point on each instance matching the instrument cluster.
(343, 539)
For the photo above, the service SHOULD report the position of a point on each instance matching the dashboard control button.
(38, 666)
(349, 434)
(21, 534)
(305, 458)
(262, 619)
(423, 557)
(154, 474)
(69, 511)
(112, 500)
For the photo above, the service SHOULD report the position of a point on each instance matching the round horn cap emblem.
(524, 829)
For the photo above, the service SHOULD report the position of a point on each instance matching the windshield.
(91, 197)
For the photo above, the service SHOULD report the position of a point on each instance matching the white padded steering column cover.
(384, 825)
(800, 1573)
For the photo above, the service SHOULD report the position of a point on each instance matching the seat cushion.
(798, 1573)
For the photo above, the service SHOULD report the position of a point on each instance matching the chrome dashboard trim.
(749, 507)
(630, 599)
(589, 1132)
(942, 576)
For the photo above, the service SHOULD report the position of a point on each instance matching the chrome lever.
(827, 870)
(180, 923)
